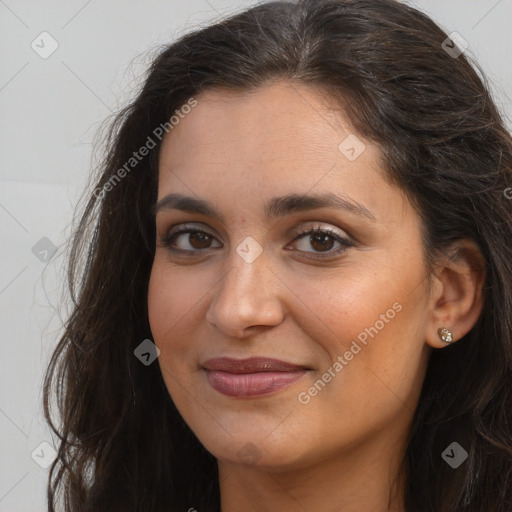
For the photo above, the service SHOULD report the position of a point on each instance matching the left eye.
(322, 241)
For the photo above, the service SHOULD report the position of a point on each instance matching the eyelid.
(316, 226)
(186, 226)
(345, 240)
(295, 231)
(182, 229)
(303, 228)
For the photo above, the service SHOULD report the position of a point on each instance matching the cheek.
(370, 329)
(161, 303)
(170, 300)
(177, 301)
(171, 297)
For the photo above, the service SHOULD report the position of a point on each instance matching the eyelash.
(317, 230)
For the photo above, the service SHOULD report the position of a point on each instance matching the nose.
(248, 296)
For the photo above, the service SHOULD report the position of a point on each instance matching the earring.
(445, 334)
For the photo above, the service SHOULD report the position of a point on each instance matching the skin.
(343, 449)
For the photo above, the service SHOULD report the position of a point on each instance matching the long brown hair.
(123, 445)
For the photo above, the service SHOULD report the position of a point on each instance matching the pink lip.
(251, 377)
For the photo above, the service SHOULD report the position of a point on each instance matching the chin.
(256, 451)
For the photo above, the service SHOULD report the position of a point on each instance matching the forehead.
(278, 115)
(279, 138)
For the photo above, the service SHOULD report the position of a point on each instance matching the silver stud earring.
(445, 334)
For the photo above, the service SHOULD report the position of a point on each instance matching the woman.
(292, 280)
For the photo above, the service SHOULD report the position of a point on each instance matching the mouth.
(256, 376)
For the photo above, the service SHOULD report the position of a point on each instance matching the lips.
(256, 376)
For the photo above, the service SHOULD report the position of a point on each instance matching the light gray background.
(50, 111)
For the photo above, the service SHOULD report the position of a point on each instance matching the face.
(290, 330)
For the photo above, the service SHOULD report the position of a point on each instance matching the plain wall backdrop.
(52, 101)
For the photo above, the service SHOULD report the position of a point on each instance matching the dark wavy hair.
(123, 446)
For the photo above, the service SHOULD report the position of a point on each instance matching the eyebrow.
(275, 207)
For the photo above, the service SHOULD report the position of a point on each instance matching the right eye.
(192, 240)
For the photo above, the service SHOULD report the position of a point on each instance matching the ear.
(457, 296)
